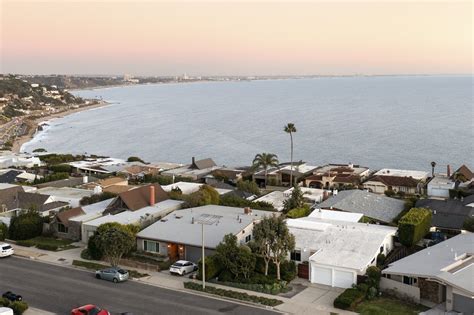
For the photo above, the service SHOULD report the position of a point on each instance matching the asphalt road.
(58, 289)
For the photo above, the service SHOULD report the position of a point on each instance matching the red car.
(89, 310)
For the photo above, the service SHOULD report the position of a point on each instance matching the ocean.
(380, 121)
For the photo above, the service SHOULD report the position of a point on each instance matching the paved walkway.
(314, 299)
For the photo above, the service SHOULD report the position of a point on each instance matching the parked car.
(6, 311)
(9, 295)
(89, 309)
(182, 267)
(6, 250)
(112, 274)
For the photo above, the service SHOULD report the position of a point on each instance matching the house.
(335, 215)
(438, 275)
(162, 237)
(70, 195)
(280, 176)
(311, 195)
(69, 182)
(141, 217)
(463, 173)
(338, 251)
(378, 207)
(197, 170)
(337, 176)
(68, 223)
(9, 159)
(447, 215)
(188, 188)
(404, 181)
(439, 186)
(8, 176)
(137, 170)
(98, 165)
(138, 198)
(26, 177)
(226, 174)
(275, 198)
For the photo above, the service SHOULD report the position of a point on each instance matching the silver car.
(112, 274)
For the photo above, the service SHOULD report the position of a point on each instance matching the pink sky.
(242, 38)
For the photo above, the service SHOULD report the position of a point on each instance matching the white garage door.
(343, 279)
(321, 275)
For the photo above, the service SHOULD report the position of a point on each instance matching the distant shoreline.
(33, 123)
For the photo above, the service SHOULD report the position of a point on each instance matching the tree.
(246, 261)
(282, 243)
(433, 165)
(206, 195)
(135, 159)
(238, 260)
(248, 186)
(88, 200)
(265, 160)
(26, 225)
(468, 225)
(290, 128)
(3, 231)
(263, 235)
(296, 200)
(114, 240)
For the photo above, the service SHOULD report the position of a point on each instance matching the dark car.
(9, 295)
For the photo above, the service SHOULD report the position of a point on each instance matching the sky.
(236, 37)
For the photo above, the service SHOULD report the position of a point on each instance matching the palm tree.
(433, 165)
(265, 160)
(290, 128)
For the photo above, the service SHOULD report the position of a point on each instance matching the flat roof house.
(442, 274)
(280, 175)
(66, 194)
(178, 235)
(337, 176)
(141, 217)
(439, 186)
(197, 170)
(338, 251)
(377, 207)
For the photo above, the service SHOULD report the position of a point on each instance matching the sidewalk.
(312, 300)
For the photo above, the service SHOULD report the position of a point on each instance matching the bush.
(135, 159)
(288, 269)
(51, 178)
(380, 259)
(93, 250)
(213, 268)
(26, 225)
(61, 168)
(231, 200)
(299, 212)
(96, 198)
(349, 299)
(50, 247)
(468, 225)
(206, 195)
(414, 225)
(274, 288)
(4, 302)
(389, 193)
(232, 294)
(18, 307)
(248, 186)
(3, 231)
(373, 276)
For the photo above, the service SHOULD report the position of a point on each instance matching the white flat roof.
(276, 198)
(335, 215)
(313, 194)
(339, 244)
(65, 192)
(418, 175)
(188, 188)
(5, 186)
(132, 217)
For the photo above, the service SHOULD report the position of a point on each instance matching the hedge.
(3, 231)
(349, 299)
(233, 294)
(18, 307)
(212, 268)
(298, 213)
(274, 288)
(414, 225)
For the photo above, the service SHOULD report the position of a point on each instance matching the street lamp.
(205, 219)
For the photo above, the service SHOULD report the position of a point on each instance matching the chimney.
(193, 160)
(325, 195)
(85, 179)
(448, 170)
(152, 195)
(247, 210)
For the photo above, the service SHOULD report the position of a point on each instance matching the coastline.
(33, 123)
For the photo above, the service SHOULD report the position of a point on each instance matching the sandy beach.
(33, 123)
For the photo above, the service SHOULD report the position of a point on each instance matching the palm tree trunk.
(291, 160)
(265, 178)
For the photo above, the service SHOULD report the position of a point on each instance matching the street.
(58, 289)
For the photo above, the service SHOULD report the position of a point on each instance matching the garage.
(332, 277)
(463, 304)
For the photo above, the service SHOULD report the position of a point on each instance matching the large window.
(248, 238)
(295, 255)
(62, 228)
(151, 246)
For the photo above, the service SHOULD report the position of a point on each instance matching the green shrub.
(373, 276)
(135, 159)
(18, 307)
(3, 231)
(213, 268)
(298, 212)
(93, 250)
(232, 294)
(414, 225)
(88, 200)
(24, 243)
(363, 287)
(248, 186)
(349, 299)
(372, 293)
(61, 168)
(468, 225)
(274, 288)
(380, 259)
(4, 302)
(389, 193)
(26, 225)
(206, 195)
(50, 247)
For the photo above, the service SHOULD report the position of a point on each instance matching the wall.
(375, 187)
(194, 253)
(430, 290)
(400, 289)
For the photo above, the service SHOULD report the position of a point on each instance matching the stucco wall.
(400, 289)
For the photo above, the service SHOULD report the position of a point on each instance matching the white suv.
(6, 250)
(182, 267)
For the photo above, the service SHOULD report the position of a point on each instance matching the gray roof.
(178, 227)
(372, 205)
(450, 261)
(448, 214)
(68, 182)
(10, 176)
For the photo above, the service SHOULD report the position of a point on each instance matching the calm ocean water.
(398, 122)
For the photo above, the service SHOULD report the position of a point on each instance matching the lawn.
(96, 266)
(48, 243)
(389, 306)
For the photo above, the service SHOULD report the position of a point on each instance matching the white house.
(338, 251)
(439, 186)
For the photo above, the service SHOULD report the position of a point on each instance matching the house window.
(409, 280)
(248, 238)
(295, 255)
(150, 246)
(62, 228)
